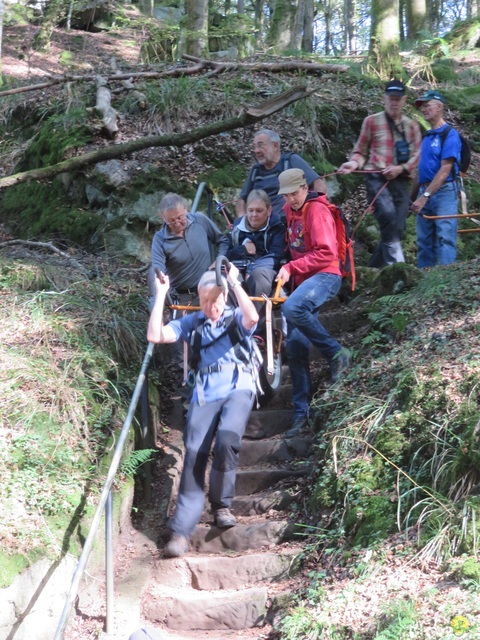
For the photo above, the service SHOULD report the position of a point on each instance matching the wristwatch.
(425, 194)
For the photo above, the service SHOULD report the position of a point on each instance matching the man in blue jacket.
(436, 193)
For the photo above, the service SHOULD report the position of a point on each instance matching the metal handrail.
(105, 504)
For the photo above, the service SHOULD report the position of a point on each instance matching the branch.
(249, 116)
(148, 75)
(200, 65)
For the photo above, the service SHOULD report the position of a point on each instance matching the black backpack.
(465, 153)
(246, 350)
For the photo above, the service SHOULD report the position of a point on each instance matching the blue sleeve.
(238, 319)
(452, 146)
(183, 327)
(297, 162)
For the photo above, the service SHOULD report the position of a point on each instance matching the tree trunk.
(308, 24)
(245, 119)
(259, 23)
(197, 27)
(416, 15)
(281, 25)
(349, 10)
(384, 38)
(54, 11)
(2, 7)
(297, 29)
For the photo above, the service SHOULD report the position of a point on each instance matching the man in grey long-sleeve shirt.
(183, 247)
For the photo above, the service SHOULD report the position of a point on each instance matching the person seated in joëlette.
(258, 239)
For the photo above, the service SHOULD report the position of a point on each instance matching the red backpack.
(345, 243)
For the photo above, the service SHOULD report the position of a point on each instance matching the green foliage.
(54, 138)
(400, 622)
(444, 70)
(226, 176)
(64, 395)
(170, 100)
(160, 39)
(37, 208)
(131, 465)
(300, 623)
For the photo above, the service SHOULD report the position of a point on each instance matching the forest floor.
(354, 595)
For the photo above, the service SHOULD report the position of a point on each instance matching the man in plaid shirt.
(389, 147)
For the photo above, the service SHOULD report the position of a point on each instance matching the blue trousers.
(227, 419)
(437, 239)
(304, 328)
(390, 211)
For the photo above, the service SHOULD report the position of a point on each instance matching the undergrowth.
(397, 457)
(68, 361)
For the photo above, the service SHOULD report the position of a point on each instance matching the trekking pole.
(369, 209)
(269, 336)
(457, 215)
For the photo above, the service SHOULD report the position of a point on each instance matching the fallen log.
(249, 116)
(201, 65)
(104, 108)
(273, 67)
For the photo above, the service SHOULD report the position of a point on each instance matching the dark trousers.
(390, 211)
(227, 419)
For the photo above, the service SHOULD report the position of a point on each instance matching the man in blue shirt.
(436, 193)
(223, 395)
(270, 164)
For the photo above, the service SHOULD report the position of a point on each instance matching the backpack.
(345, 243)
(465, 151)
(245, 350)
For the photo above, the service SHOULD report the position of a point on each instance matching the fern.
(131, 465)
(404, 620)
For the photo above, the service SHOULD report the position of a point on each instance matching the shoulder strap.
(393, 126)
(231, 329)
(286, 160)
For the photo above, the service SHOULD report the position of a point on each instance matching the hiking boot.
(341, 362)
(177, 546)
(224, 518)
(299, 424)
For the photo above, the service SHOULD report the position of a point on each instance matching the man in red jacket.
(315, 274)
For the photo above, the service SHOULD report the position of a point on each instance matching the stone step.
(267, 423)
(256, 452)
(207, 539)
(258, 480)
(282, 399)
(187, 609)
(209, 573)
(262, 503)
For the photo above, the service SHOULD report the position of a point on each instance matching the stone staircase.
(232, 581)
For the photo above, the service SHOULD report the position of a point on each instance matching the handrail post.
(117, 456)
(198, 195)
(109, 562)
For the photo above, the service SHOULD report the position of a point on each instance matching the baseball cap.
(291, 180)
(430, 95)
(395, 88)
